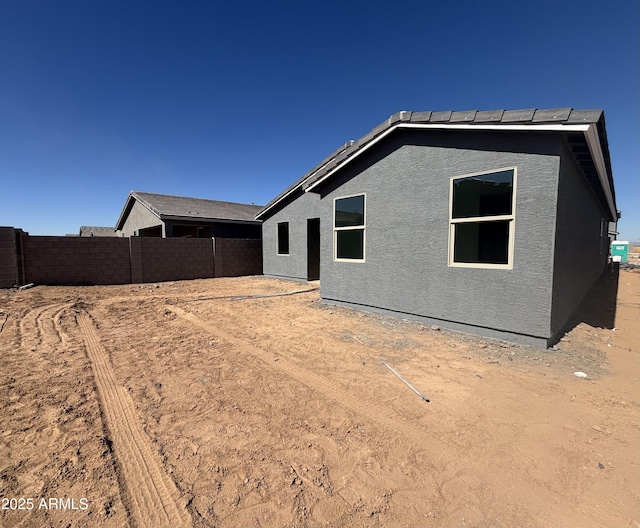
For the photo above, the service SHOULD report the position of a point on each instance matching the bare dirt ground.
(180, 404)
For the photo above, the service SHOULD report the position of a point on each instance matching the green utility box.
(619, 251)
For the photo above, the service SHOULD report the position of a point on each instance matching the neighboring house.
(494, 223)
(161, 215)
(90, 231)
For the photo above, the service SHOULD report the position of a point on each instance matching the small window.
(482, 219)
(349, 228)
(283, 238)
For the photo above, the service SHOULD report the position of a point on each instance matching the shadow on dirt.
(598, 308)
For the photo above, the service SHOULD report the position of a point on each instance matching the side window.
(349, 228)
(283, 238)
(481, 219)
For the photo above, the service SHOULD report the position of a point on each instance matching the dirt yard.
(214, 403)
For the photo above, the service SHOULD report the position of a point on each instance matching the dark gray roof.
(89, 231)
(168, 207)
(483, 119)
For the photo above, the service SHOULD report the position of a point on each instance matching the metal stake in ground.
(406, 383)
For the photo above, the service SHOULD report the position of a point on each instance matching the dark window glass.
(482, 242)
(483, 195)
(283, 238)
(350, 244)
(350, 211)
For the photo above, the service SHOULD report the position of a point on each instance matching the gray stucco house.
(162, 215)
(488, 222)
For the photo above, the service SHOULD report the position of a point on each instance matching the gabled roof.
(167, 207)
(89, 231)
(585, 129)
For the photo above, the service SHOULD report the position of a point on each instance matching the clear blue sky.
(236, 100)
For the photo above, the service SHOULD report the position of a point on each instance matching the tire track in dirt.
(449, 478)
(374, 412)
(40, 325)
(38, 333)
(154, 500)
(28, 329)
(48, 325)
(55, 322)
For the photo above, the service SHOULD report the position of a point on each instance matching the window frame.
(511, 218)
(362, 228)
(278, 224)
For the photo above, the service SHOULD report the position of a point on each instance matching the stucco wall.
(582, 242)
(294, 265)
(139, 218)
(406, 182)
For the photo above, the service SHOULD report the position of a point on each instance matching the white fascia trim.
(261, 213)
(589, 130)
(443, 126)
(348, 160)
(133, 199)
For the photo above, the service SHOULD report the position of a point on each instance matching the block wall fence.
(59, 260)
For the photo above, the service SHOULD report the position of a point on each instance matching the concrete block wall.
(236, 257)
(8, 258)
(163, 259)
(135, 260)
(57, 260)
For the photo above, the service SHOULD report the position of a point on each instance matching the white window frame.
(278, 239)
(362, 228)
(511, 218)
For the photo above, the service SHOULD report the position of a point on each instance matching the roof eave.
(128, 205)
(588, 129)
(300, 184)
(595, 148)
(278, 200)
(178, 218)
(125, 212)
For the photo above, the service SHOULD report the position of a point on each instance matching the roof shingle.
(167, 207)
(529, 116)
(90, 231)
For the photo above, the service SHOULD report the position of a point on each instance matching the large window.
(349, 228)
(283, 238)
(482, 217)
